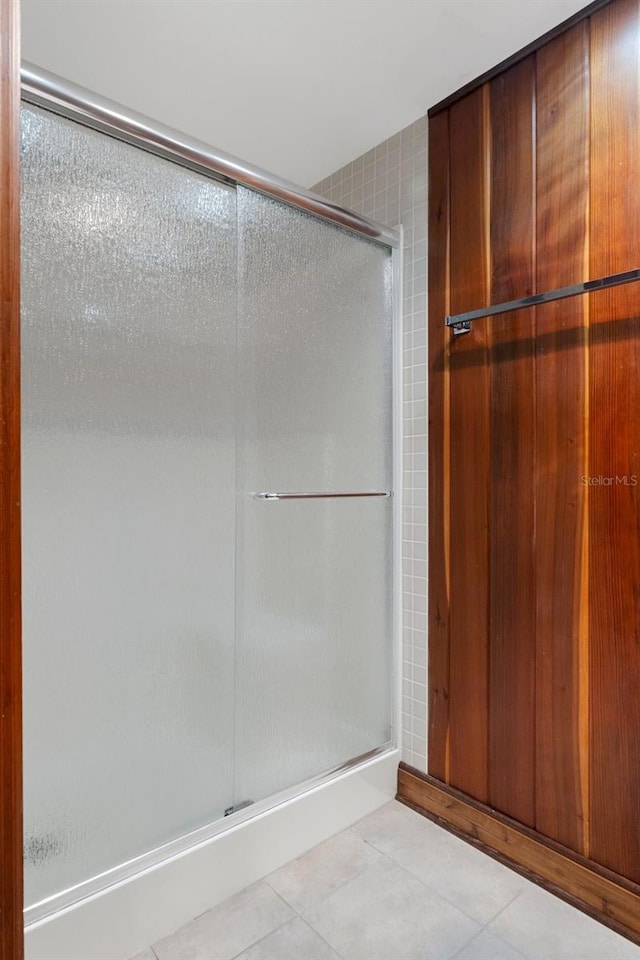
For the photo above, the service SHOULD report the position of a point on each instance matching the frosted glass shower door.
(314, 576)
(129, 301)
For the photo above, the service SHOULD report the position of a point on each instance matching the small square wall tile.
(419, 761)
(406, 754)
(418, 603)
(382, 165)
(406, 205)
(419, 620)
(393, 212)
(420, 728)
(407, 136)
(419, 663)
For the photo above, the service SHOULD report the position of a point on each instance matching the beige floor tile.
(293, 941)
(316, 874)
(545, 928)
(486, 946)
(227, 929)
(474, 882)
(390, 826)
(387, 914)
(428, 898)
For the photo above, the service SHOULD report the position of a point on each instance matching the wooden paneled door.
(534, 644)
(11, 939)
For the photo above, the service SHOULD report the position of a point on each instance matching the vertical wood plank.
(562, 125)
(614, 445)
(469, 450)
(11, 937)
(438, 447)
(512, 417)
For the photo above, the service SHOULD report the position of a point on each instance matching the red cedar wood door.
(534, 644)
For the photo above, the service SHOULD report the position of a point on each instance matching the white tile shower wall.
(389, 184)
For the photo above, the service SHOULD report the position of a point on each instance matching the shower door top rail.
(461, 322)
(321, 496)
(53, 93)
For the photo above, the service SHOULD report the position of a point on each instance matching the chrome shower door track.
(60, 96)
(196, 838)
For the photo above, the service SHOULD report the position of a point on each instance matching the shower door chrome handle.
(322, 496)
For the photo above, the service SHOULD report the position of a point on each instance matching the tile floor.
(393, 886)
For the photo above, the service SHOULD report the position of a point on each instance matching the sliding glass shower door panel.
(314, 671)
(314, 621)
(191, 642)
(129, 280)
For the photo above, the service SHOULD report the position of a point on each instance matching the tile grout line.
(383, 853)
(263, 937)
(506, 907)
(485, 928)
(468, 943)
(340, 885)
(429, 886)
(298, 916)
(254, 942)
(324, 940)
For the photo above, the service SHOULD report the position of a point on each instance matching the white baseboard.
(129, 916)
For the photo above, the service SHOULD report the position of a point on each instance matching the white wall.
(295, 86)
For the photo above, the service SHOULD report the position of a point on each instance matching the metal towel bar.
(461, 322)
(321, 496)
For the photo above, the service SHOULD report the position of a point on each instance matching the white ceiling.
(298, 87)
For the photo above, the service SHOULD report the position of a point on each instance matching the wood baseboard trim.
(609, 898)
